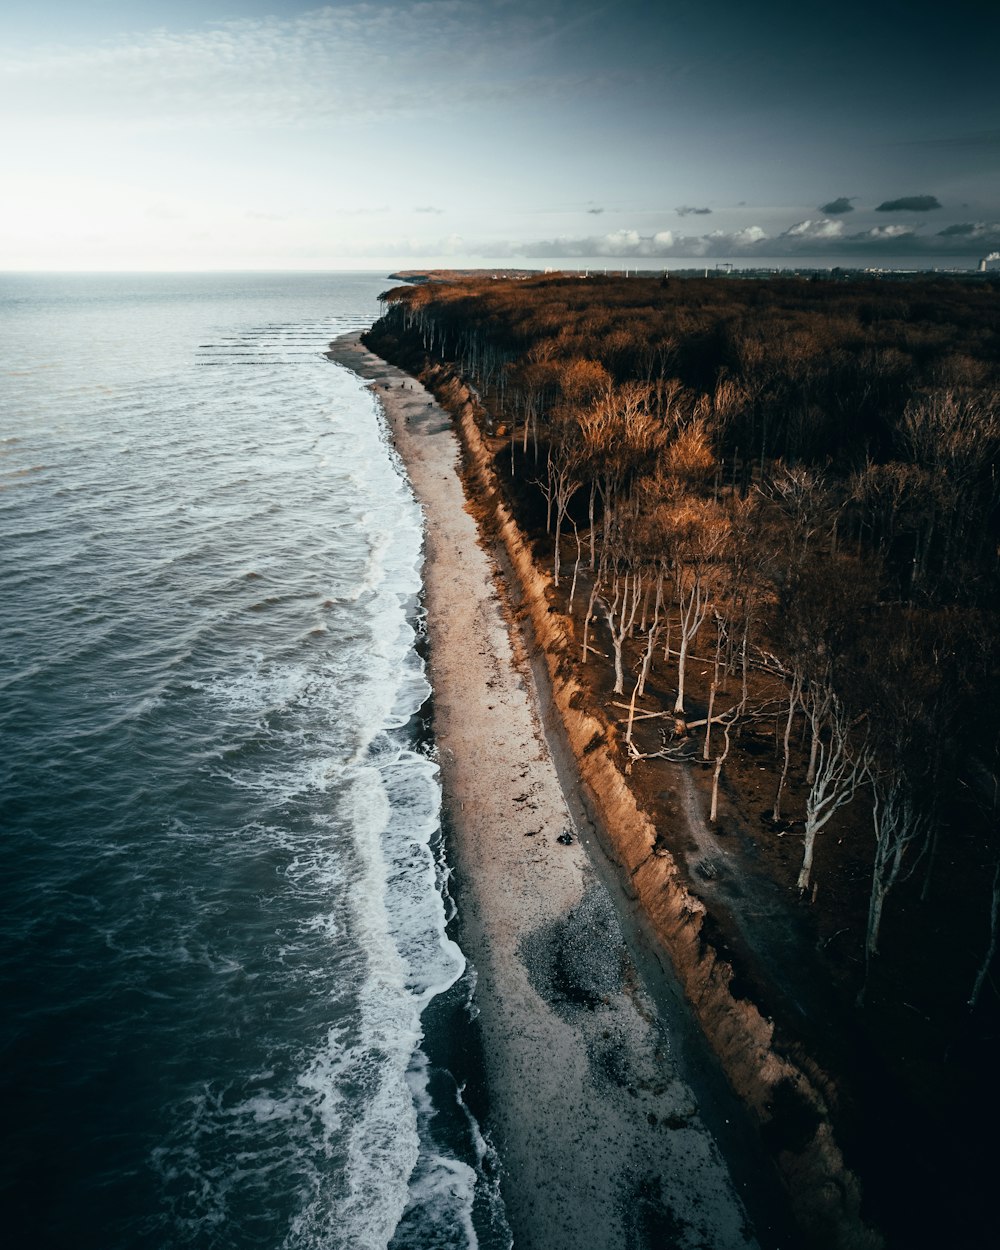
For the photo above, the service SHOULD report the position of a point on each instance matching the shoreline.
(600, 1138)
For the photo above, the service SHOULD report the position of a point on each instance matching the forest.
(770, 511)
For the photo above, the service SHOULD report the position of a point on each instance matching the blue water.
(224, 891)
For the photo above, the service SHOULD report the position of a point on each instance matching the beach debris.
(565, 838)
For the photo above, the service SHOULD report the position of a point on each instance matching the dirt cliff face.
(790, 1098)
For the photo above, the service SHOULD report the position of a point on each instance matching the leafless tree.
(840, 770)
(698, 534)
(794, 690)
(899, 825)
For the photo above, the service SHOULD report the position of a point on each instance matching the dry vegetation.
(770, 512)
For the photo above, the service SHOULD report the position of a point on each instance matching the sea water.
(224, 917)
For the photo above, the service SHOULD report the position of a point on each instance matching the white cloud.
(337, 64)
(738, 240)
(880, 234)
(810, 238)
(620, 243)
(631, 243)
(824, 228)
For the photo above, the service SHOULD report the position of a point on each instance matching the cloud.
(685, 210)
(814, 239)
(909, 204)
(630, 244)
(747, 237)
(880, 234)
(975, 236)
(337, 64)
(821, 229)
(842, 204)
(973, 231)
(429, 208)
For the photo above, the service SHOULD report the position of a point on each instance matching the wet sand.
(600, 1141)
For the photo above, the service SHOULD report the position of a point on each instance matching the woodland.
(771, 512)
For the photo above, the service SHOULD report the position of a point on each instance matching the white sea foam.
(488, 1173)
(382, 1145)
(442, 1188)
(416, 907)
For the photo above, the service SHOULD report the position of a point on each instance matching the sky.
(278, 134)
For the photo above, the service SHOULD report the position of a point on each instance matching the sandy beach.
(600, 1140)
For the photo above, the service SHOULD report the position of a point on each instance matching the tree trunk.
(590, 518)
(713, 814)
(693, 613)
(681, 671)
(793, 699)
(708, 722)
(653, 632)
(576, 569)
(641, 681)
(805, 872)
(621, 616)
(813, 753)
(838, 777)
(590, 613)
(645, 607)
(896, 825)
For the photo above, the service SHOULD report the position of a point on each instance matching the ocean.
(232, 1008)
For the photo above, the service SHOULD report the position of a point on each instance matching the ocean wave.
(231, 885)
(442, 1189)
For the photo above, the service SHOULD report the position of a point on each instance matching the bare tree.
(652, 633)
(727, 721)
(794, 688)
(562, 480)
(698, 535)
(620, 609)
(839, 773)
(899, 824)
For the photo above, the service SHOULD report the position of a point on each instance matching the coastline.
(600, 1139)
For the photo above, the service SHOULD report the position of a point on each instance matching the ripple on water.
(225, 906)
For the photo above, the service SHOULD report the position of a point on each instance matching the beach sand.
(600, 1141)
